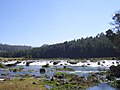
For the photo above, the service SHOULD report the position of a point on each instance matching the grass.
(23, 84)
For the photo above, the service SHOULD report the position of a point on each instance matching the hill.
(6, 47)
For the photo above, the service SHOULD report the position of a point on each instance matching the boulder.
(42, 70)
(56, 62)
(46, 66)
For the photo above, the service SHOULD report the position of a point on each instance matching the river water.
(82, 69)
(103, 86)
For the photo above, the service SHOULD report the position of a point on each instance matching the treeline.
(90, 47)
(11, 48)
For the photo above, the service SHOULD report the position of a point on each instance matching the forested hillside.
(90, 47)
(99, 46)
(6, 47)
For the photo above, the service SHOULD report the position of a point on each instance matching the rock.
(73, 62)
(46, 66)
(10, 65)
(115, 71)
(50, 61)
(52, 79)
(17, 62)
(103, 61)
(98, 63)
(34, 83)
(42, 71)
(61, 76)
(112, 62)
(88, 64)
(55, 63)
(6, 79)
(65, 63)
(28, 63)
(64, 67)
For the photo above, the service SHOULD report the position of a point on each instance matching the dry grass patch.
(23, 84)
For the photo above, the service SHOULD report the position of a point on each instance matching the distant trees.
(90, 47)
(14, 50)
(6, 47)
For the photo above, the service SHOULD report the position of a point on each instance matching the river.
(103, 86)
(81, 68)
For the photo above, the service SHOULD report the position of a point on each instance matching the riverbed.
(81, 68)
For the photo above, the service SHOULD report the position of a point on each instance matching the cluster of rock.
(113, 75)
(71, 81)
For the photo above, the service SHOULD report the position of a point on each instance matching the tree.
(114, 33)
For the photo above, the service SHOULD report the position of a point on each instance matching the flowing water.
(103, 86)
(82, 69)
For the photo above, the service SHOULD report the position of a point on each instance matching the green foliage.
(2, 66)
(90, 47)
(71, 82)
(5, 47)
(114, 34)
(99, 46)
(16, 69)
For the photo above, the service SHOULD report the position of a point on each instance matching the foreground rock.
(113, 76)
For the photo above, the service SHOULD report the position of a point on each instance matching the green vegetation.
(16, 69)
(113, 76)
(90, 47)
(114, 34)
(64, 69)
(66, 81)
(6, 47)
(23, 84)
(2, 66)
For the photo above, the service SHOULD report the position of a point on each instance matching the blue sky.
(38, 22)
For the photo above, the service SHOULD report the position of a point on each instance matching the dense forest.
(7, 50)
(6, 47)
(103, 45)
(99, 46)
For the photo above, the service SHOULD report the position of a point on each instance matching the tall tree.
(114, 33)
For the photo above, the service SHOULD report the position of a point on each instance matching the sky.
(38, 22)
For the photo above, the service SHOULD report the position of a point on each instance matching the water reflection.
(103, 86)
